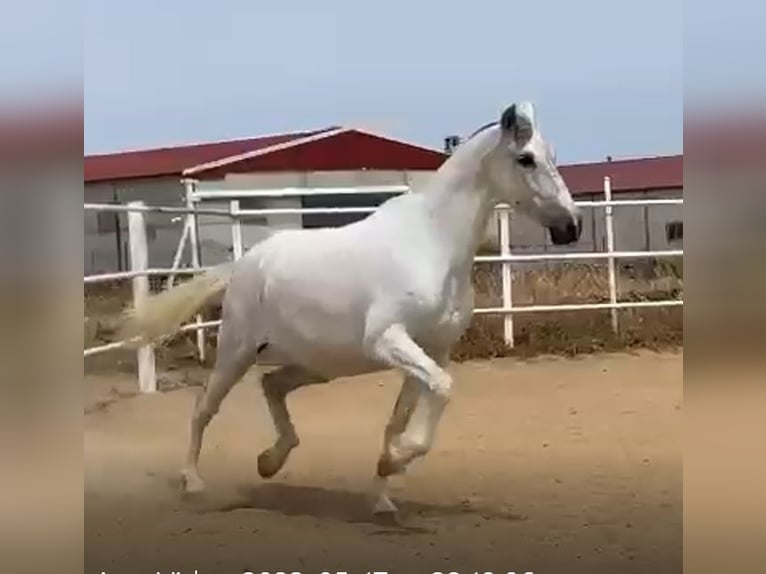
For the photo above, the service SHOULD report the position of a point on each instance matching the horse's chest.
(434, 311)
(438, 314)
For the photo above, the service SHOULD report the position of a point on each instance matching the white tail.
(162, 314)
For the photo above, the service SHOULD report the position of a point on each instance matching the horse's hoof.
(386, 515)
(191, 483)
(384, 507)
(269, 463)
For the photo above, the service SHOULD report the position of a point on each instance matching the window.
(674, 230)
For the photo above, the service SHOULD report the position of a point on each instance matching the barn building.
(339, 157)
(636, 228)
(332, 157)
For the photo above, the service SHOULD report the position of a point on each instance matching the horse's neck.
(460, 203)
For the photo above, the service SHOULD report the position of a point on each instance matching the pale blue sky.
(607, 76)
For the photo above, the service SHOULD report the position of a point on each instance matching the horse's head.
(521, 170)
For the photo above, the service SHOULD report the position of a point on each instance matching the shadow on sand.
(350, 507)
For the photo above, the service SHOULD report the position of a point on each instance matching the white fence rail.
(140, 272)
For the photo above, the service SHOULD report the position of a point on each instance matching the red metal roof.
(354, 149)
(347, 150)
(665, 172)
(173, 160)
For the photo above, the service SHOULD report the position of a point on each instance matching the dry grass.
(575, 332)
(561, 333)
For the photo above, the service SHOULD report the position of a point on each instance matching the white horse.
(390, 291)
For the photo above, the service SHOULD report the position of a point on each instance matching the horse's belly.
(319, 357)
(327, 345)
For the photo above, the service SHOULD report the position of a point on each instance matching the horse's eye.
(526, 160)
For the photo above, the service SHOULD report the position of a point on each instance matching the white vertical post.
(236, 230)
(139, 261)
(507, 277)
(610, 250)
(194, 245)
(179, 252)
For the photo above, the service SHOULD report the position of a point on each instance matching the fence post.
(194, 245)
(178, 254)
(610, 250)
(507, 277)
(139, 261)
(236, 230)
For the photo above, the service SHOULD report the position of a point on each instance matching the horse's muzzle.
(567, 231)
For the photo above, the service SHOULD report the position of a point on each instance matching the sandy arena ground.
(546, 466)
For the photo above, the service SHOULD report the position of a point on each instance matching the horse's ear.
(519, 121)
(508, 119)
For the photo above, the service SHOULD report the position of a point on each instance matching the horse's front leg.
(400, 416)
(412, 429)
(418, 437)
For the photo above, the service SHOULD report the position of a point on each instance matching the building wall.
(106, 249)
(636, 228)
(215, 232)
(641, 228)
(101, 241)
(106, 244)
(106, 233)
(660, 217)
(415, 179)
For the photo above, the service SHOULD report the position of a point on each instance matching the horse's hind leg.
(232, 362)
(276, 386)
